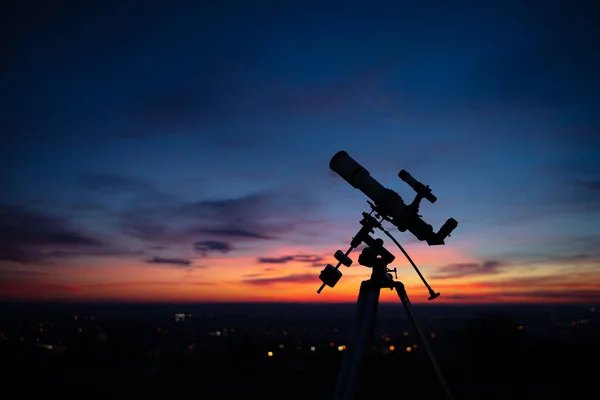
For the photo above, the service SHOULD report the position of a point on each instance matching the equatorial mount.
(376, 257)
(331, 275)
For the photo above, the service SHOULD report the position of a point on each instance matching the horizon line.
(283, 302)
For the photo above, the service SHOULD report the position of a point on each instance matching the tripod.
(376, 257)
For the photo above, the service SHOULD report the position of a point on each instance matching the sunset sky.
(179, 151)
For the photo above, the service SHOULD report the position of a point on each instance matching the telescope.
(388, 204)
(385, 205)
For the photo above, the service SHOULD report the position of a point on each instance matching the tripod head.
(375, 255)
(389, 203)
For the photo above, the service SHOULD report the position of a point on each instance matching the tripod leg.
(399, 286)
(347, 360)
(363, 339)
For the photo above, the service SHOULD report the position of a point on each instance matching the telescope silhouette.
(389, 204)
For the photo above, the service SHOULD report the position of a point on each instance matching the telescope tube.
(389, 202)
(356, 175)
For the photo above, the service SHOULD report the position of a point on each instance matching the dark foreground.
(294, 351)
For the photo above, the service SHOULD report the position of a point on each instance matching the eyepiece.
(447, 228)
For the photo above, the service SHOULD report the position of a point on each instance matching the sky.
(179, 151)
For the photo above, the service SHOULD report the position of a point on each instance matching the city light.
(53, 345)
(179, 317)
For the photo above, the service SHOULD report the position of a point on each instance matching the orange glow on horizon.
(244, 279)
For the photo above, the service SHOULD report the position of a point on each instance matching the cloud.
(572, 279)
(263, 272)
(570, 285)
(461, 297)
(177, 262)
(205, 247)
(579, 167)
(129, 284)
(88, 207)
(210, 219)
(29, 236)
(303, 258)
(10, 289)
(106, 182)
(589, 295)
(580, 194)
(217, 225)
(592, 185)
(559, 198)
(314, 259)
(144, 227)
(551, 250)
(490, 267)
(234, 232)
(566, 282)
(104, 251)
(277, 260)
(22, 273)
(294, 278)
(138, 191)
(254, 275)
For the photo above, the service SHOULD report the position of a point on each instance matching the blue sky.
(150, 125)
